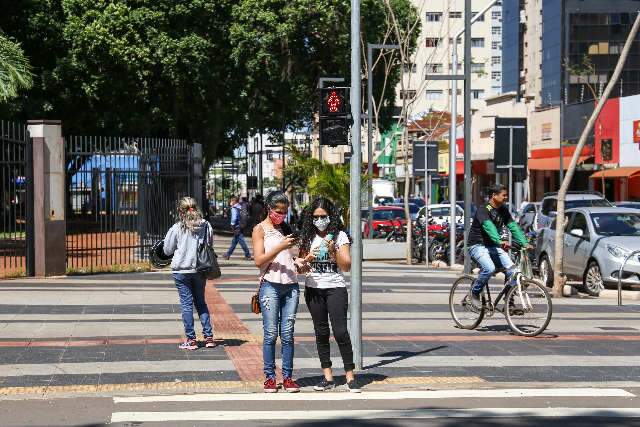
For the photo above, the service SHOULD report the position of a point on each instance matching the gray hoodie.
(183, 244)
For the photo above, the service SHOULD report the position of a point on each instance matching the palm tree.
(15, 71)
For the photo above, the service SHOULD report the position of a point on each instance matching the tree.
(15, 71)
(558, 280)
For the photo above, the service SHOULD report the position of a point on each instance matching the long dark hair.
(309, 231)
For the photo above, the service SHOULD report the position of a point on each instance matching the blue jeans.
(487, 257)
(279, 304)
(191, 291)
(238, 237)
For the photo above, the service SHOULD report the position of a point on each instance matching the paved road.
(72, 351)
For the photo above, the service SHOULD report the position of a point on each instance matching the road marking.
(381, 395)
(119, 417)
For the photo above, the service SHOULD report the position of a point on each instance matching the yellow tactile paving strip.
(211, 385)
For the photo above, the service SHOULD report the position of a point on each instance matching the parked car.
(413, 209)
(574, 199)
(383, 200)
(440, 213)
(630, 205)
(383, 216)
(528, 216)
(414, 200)
(596, 242)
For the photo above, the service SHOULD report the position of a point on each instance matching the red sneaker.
(270, 386)
(290, 385)
(209, 343)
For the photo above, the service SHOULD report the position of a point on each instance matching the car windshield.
(444, 211)
(587, 203)
(387, 214)
(616, 224)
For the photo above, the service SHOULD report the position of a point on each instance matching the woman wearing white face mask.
(324, 250)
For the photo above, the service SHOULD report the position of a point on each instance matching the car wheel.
(592, 282)
(546, 271)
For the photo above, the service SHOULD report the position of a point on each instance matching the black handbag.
(207, 260)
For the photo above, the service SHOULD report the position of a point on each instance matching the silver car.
(596, 242)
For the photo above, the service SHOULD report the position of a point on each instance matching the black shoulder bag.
(207, 260)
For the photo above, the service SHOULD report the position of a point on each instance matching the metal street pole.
(356, 160)
(467, 138)
(370, 48)
(260, 166)
(561, 168)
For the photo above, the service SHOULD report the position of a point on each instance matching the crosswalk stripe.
(119, 417)
(427, 394)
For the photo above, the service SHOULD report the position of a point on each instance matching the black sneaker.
(354, 387)
(324, 385)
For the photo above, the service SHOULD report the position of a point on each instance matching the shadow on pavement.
(401, 355)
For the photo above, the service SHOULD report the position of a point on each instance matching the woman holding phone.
(324, 248)
(279, 292)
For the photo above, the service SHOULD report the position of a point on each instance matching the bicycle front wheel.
(462, 311)
(528, 308)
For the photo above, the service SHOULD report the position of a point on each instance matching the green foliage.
(205, 70)
(15, 71)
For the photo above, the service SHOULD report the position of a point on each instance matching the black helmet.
(157, 256)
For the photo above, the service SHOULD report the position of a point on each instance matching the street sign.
(252, 182)
(511, 146)
(419, 158)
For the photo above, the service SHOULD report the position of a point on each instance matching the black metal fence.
(121, 197)
(16, 200)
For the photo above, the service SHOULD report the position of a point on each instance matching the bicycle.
(527, 304)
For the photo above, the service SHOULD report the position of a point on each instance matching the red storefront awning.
(624, 172)
(553, 163)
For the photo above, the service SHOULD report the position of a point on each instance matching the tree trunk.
(558, 279)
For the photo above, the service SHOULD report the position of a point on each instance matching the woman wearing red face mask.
(279, 292)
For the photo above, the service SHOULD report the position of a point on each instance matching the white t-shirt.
(325, 273)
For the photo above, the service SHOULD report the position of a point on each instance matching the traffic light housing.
(335, 116)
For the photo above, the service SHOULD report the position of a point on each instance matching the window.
(607, 150)
(496, 75)
(407, 94)
(269, 155)
(477, 42)
(496, 31)
(496, 60)
(455, 15)
(480, 19)
(434, 95)
(496, 45)
(579, 223)
(409, 68)
(451, 40)
(435, 68)
(434, 16)
(477, 67)
(496, 15)
(459, 66)
(458, 92)
(477, 94)
(432, 41)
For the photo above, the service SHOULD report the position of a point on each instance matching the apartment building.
(441, 20)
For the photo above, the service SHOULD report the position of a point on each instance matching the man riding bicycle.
(485, 246)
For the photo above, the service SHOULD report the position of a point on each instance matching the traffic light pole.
(356, 161)
(370, 48)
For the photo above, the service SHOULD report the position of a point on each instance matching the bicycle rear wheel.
(528, 308)
(464, 314)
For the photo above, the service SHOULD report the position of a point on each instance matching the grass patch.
(137, 267)
(12, 235)
(14, 274)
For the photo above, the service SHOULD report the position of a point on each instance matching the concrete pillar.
(196, 157)
(49, 197)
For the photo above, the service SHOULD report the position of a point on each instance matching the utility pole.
(356, 161)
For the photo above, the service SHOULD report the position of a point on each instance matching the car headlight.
(617, 251)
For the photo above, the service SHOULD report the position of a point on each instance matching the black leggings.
(325, 304)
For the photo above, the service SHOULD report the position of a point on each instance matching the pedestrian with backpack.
(182, 242)
(239, 222)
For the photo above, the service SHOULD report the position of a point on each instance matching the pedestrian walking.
(279, 292)
(324, 249)
(239, 222)
(182, 241)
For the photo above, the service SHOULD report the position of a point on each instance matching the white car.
(574, 199)
(441, 213)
